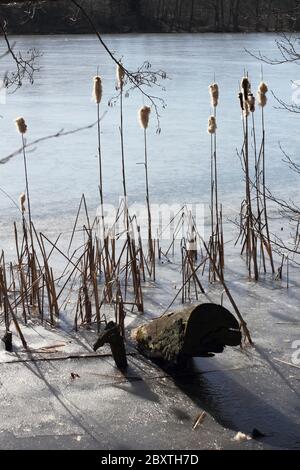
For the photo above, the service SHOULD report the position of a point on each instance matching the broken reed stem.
(234, 305)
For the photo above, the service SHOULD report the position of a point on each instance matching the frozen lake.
(60, 170)
(240, 392)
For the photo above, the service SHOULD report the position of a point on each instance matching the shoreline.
(150, 32)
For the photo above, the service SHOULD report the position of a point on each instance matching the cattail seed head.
(246, 87)
(261, 94)
(120, 76)
(144, 114)
(21, 125)
(214, 93)
(97, 89)
(251, 103)
(212, 125)
(22, 199)
(246, 108)
(262, 99)
(263, 88)
(240, 97)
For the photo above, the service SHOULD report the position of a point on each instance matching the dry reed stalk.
(9, 310)
(119, 309)
(255, 227)
(135, 273)
(107, 269)
(191, 270)
(53, 293)
(4, 293)
(176, 231)
(85, 291)
(93, 275)
(21, 274)
(243, 324)
(183, 273)
(13, 286)
(48, 282)
(141, 255)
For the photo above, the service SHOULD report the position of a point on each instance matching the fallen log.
(195, 331)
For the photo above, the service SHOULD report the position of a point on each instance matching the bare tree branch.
(142, 77)
(25, 67)
(287, 50)
(60, 133)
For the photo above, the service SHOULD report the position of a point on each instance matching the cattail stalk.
(34, 295)
(147, 194)
(262, 90)
(131, 253)
(22, 128)
(250, 234)
(216, 225)
(120, 77)
(26, 179)
(97, 93)
(144, 114)
(257, 183)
